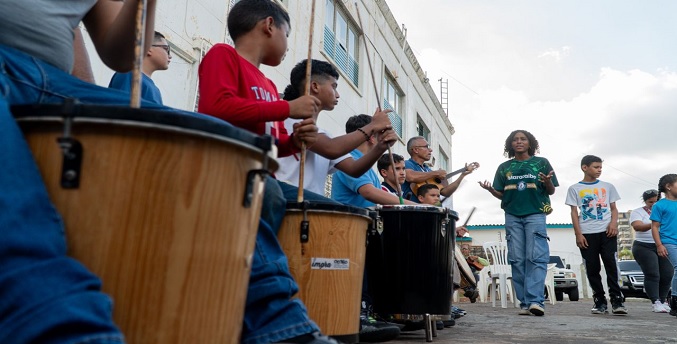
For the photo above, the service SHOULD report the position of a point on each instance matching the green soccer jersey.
(523, 193)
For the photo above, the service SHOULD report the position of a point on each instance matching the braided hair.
(664, 182)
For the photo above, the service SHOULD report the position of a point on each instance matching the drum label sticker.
(329, 264)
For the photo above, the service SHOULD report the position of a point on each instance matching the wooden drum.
(328, 263)
(154, 203)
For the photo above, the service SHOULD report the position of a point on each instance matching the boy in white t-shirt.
(596, 228)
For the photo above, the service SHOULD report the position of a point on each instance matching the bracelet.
(365, 134)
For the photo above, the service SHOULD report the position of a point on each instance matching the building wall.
(191, 27)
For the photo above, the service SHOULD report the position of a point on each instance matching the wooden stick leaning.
(309, 64)
(135, 101)
(378, 98)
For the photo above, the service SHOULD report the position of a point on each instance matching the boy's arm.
(112, 26)
(374, 195)
(612, 229)
(219, 94)
(356, 168)
(580, 238)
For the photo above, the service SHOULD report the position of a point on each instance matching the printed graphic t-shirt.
(594, 204)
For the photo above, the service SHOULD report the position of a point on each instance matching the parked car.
(565, 280)
(632, 278)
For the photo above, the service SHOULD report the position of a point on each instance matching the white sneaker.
(658, 307)
(666, 306)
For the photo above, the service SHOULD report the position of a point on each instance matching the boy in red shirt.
(234, 89)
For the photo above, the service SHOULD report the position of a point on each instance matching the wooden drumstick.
(469, 216)
(135, 101)
(378, 99)
(309, 67)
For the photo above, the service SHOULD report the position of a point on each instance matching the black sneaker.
(311, 338)
(617, 307)
(600, 306)
(449, 323)
(373, 331)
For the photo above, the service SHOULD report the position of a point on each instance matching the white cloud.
(556, 54)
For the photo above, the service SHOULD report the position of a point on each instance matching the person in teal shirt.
(524, 185)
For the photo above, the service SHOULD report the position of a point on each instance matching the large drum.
(164, 207)
(327, 262)
(410, 262)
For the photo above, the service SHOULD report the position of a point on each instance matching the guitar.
(437, 181)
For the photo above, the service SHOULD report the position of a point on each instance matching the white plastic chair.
(550, 282)
(501, 271)
(483, 283)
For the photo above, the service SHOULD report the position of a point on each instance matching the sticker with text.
(329, 264)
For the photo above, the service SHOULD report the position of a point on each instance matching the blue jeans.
(46, 296)
(672, 255)
(528, 253)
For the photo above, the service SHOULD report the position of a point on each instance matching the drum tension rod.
(264, 142)
(305, 225)
(71, 148)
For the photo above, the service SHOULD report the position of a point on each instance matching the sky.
(585, 77)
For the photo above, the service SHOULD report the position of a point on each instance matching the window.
(422, 129)
(444, 160)
(392, 100)
(340, 40)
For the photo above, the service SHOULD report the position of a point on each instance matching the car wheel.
(559, 295)
(573, 294)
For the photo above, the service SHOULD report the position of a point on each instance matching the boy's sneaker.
(524, 311)
(372, 330)
(617, 307)
(536, 310)
(600, 306)
(311, 338)
(659, 308)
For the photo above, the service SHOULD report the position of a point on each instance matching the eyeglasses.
(651, 192)
(426, 146)
(163, 46)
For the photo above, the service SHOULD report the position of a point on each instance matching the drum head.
(328, 207)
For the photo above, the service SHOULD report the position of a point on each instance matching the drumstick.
(309, 67)
(135, 101)
(378, 100)
(469, 216)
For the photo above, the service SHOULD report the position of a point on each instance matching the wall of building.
(193, 26)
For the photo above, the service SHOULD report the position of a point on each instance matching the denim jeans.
(672, 255)
(46, 296)
(528, 253)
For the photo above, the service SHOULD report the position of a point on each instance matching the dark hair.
(648, 194)
(244, 16)
(318, 70)
(423, 189)
(509, 152)
(384, 161)
(357, 121)
(158, 37)
(589, 159)
(665, 181)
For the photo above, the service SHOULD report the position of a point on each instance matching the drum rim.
(156, 118)
(320, 207)
(417, 208)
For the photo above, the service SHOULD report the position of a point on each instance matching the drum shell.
(333, 297)
(410, 262)
(158, 216)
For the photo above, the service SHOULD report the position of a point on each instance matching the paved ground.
(564, 322)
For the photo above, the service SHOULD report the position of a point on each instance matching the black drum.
(409, 262)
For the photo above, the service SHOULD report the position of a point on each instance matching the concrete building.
(626, 235)
(192, 27)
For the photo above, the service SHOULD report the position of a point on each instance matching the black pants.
(606, 248)
(657, 270)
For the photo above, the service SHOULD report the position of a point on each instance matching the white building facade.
(193, 26)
